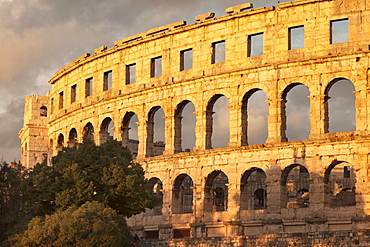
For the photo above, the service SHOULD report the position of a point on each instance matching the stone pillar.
(200, 130)
(235, 125)
(361, 110)
(149, 138)
(177, 140)
(233, 201)
(102, 137)
(198, 203)
(362, 186)
(142, 134)
(96, 137)
(168, 133)
(319, 192)
(276, 121)
(117, 133)
(80, 134)
(319, 120)
(117, 124)
(124, 133)
(209, 128)
(273, 189)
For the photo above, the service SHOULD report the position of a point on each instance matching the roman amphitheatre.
(310, 191)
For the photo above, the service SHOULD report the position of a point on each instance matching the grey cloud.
(39, 37)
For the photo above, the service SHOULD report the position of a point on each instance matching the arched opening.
(60, 142)
(43, 111)
(253, 195)
(296, 112)
(106, 130)
(72, 138)
(88, 132)
(340, 106)
(185, 121)
(217, 122)
(130, 137)
(155, 143)
(295, 186)
(254, 117)
(182, 195)
(216, 192)
(155, 186)
(340, 179)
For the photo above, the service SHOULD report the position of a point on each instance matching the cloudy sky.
(38, 37)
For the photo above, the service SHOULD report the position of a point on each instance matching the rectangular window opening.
(152, 234)
(131, 73)
(181, 233)
(88, 87)
(347, 172)
(61, 95)
(156, 67)
(52, 106)
(107, 81)
(255, 45)
(219, 52)
(73, 93)
(296, 37)
(186, 59)
(339, 30)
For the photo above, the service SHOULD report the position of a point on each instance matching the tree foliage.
(10, 198)
(91, 224)
(80, 200)
(86, 172)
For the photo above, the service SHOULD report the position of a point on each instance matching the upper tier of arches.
(181, 127)
(224, 90)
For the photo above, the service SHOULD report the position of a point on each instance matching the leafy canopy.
(86, 172)
(10, 198)
(92, 224)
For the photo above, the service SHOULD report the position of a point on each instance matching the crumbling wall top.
(240, 10)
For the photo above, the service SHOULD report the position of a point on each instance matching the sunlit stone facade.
(315, 185)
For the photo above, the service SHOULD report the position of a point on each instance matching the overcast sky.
(38, 37)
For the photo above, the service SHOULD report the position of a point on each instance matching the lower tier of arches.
(246, 191)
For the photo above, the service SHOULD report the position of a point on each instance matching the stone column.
(233, 201)
(276, 121)
(208, 128)
(361, 110)
(362, 185)
(177, 140)
(169, 133)
(96, 138)
(117, 133)
(273, 189)
(142, 135)
(124, 133)
(235, 125)
(200, 130)
(117, 121)
(102, 137)
(319, 120)
(319, 192)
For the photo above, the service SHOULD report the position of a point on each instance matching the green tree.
(91, 224)
(10, 198)
(87, 172)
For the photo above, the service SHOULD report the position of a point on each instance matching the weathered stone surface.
(223, 197)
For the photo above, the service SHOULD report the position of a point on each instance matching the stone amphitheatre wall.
(316, 185)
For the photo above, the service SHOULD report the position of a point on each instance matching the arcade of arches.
(339, 116)
(235, 142)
